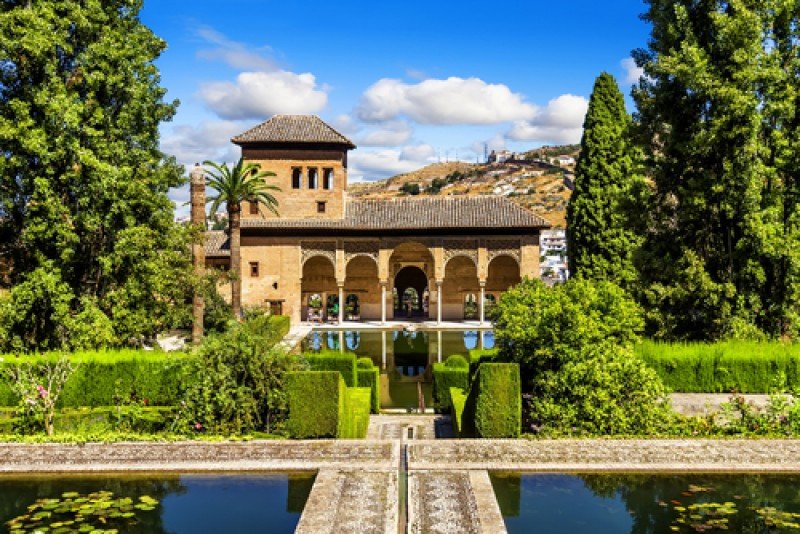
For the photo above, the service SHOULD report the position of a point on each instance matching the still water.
(196, 503)
(623, 503)
(405, 358)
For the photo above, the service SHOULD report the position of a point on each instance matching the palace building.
(329, 257)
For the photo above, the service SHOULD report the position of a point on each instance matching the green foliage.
(458, 401)
(542, 328)
(498, 404)
(601, 238)
(38, 388)
(236, 383)
(742, 366)
(409, 188)
(721, 146)
(609, 391)
(364, 363)
(332, 360)
(454, 373)
(316, 403)
(370, 377)
(479, 356)
(102, 376)
(86, 223)
(354, 418)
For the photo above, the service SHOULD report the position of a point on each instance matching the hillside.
(534, 184)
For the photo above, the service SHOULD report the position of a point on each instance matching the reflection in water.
(188, 503)
(644, 503)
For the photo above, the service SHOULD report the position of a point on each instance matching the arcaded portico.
(328, 257)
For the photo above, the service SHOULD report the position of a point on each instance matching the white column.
(439, 301)
(383, 349)
(482, 304)
(439, 346)
(383, 303)
(341, 304)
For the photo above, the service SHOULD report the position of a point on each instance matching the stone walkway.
(394, 427)
(707, 403)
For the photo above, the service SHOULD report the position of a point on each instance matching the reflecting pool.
(193, 503)
(622, 503)
(405, 358)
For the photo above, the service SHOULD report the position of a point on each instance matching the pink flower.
(42, 392)
(198, 426)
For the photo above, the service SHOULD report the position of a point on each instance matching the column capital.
(482, 283)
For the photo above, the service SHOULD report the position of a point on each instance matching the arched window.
(297, 178)
(470, 306)
(352, 307)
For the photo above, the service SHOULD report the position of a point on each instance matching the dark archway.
(414, 278)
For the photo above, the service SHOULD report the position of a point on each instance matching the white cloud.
(210, 140)
(496, 142)
(258, 95)
(561, 121)
(632, 72)
(450, 101)
(379, 164)
(233, 53)
(393, 133)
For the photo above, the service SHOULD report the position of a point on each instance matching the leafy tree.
(409, 189)
(718, 117)
(243, 182)
(600, 238)
(85, 222)
(574, 345)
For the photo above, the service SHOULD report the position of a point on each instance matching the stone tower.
(198, 202)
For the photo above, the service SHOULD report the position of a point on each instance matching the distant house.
(564, 160)
(553, 242)
(500, 156)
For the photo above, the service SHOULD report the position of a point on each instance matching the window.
(297, 178)
(327, 179)
(254, 269)
(312, 178)
(253, 208)
(320, 207)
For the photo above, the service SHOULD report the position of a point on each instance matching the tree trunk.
(198, 197)
(234, 212)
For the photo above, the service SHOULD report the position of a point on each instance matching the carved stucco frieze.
(369, 249)
(505, 247)
(311, 249)
(462, 247)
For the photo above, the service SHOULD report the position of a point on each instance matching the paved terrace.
(402, 479)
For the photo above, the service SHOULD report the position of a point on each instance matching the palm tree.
(234, 185)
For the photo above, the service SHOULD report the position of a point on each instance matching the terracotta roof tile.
(217, 243)
(293, 129)
(418, 214)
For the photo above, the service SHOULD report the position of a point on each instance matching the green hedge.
(329, 360)
(371, 378)
(454, 373)
(103, 378)
(354, 417)
(316, 403)
(273, 327)
(459, 401)
(498, 403)
(479, 356)
(744, 366)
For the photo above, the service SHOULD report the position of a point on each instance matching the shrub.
(236, 384)
(354, 419)
(364, 363)
(454, 373)
(459, 400)
(370, 377)
(103, 376)
(743, 366)
(498, 404)
(479, 356)
(329, 360)
(273, 328)
(316, 403)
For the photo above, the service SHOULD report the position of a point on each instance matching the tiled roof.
(217, 243)
(418, 214)
(293, 129)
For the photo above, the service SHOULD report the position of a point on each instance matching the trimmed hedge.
(102, 377)
(329, 360)
(454, 373)
(273, 327)
(316, 403)
(322, 406)
(459, 401)
(354, 417)
(371, 378)
(744, 366)
(498, 402)
(479, 356)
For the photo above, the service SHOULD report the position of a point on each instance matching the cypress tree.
(717, 111)
(85, 222)
(600, 240)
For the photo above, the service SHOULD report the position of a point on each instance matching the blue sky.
(410, 82)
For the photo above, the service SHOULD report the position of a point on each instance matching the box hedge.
(105, 378)
(316, 402)
(454, 373)
(479, 356)
(370, 377)
(458, 401)
(498, 401)
(354, 417)
(329, 360)
(744, 366)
